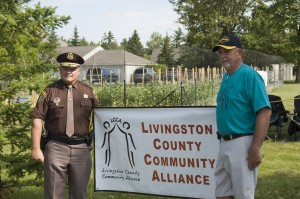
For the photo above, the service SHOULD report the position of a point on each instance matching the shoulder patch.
(42, 96)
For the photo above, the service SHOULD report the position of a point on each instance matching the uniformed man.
(64, 109)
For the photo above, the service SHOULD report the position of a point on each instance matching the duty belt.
(68, 140)
(233, 136)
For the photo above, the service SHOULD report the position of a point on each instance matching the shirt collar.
(64, 85)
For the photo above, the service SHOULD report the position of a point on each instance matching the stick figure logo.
(124, 128)
(223, 100)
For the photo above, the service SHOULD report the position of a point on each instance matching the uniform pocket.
(56, 111)
(86, 104)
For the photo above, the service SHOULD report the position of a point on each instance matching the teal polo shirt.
(241, 95)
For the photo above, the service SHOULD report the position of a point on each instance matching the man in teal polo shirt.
(243, 113)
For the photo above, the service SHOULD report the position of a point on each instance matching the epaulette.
(85, 84)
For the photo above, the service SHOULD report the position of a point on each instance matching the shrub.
(157, 94)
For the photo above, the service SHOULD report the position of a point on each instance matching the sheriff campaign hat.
(228, 42)
(70, 59)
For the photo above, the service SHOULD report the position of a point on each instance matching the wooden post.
(173, 75)
(193, 75)
(179, 74)
(214, 72)
(159, 74)
(202, 74)
(166, 76)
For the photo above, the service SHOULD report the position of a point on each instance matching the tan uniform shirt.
(52, 107)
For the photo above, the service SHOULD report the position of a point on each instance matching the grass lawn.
(279, 174)
(287, 92)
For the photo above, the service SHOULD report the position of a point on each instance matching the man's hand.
(36, 132)
(261, 129)
(254, 158)
(37, 155)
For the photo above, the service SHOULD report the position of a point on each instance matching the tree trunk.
(4, 192)
(298, 69)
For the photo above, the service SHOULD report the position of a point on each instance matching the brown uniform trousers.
(62, 160)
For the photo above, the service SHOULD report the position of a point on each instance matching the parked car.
(144, 75)
(107, 75)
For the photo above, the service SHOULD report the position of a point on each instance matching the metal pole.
(181, 91)
(124, 77)
(195, 91)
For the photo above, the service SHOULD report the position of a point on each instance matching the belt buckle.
(231, 137)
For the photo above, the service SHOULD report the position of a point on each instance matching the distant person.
(65, 107)
(18, 100)
(243, 114)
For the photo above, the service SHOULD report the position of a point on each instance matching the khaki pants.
(232, 175)
(62, 161)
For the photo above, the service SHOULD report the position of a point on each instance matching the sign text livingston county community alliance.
(160, 151)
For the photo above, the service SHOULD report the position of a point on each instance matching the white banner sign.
(160, 151)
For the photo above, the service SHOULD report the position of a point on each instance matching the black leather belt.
(68, 140)
(233, 136)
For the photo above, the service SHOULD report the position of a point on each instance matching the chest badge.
(56, 100)
(85, 96)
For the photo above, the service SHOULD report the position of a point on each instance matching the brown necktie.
(70, 114)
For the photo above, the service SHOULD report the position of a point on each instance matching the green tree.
(156, 41)
(124, 43)
(178, 38)
(93, 43)
(84, 42)
(109, 42)
(207, 20)
(134, 44)
(26, 50)
(271, 26)
(75, 41)
(49, 46)
(166, 54)
(275, 29)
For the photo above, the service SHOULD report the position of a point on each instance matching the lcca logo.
(116, 126)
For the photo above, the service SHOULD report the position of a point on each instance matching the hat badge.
(70, 56)
(224, 39)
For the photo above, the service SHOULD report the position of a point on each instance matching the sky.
(93, 18)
